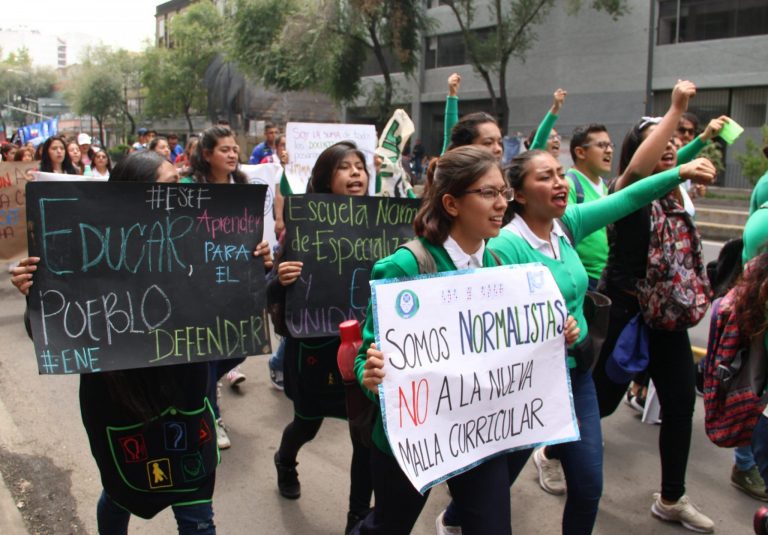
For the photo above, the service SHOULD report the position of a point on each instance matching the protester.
(141, 398)
(141, 142)
(216, 162)
(339, 169)
(8, 152)
(55, 158)
(452, 225)
(176, 149)
(101, 165)
(73, 149)
(160, 145)
(266, 147)
(184, 160)
(533, 235)
(86, 149)
(545, 136)
(24, 154)
(671, 363)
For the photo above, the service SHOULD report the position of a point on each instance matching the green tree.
(175, 77)
(754, 163)
(513, 35)
(23, 84)
(323, 45)
(95, 91)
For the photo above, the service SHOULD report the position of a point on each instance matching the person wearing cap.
(141, 144)
(86, 151)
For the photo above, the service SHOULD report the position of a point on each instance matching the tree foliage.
(513, 35)
(22, 82)
(175, 77)
(753, 162)
(323, 45)
(95, 91)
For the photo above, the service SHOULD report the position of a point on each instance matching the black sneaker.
(760, 522)
(287, 479)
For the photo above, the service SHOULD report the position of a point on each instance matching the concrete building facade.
(607, 66)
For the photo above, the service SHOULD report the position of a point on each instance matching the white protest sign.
(305, 142)
(395, 181)
(268, 174)
(41, 176)
(475, 366)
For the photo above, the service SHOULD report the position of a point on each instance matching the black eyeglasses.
(602, 145)
(490, 194)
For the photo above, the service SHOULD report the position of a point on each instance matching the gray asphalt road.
(46, 463)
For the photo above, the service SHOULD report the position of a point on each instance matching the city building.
(614, 71)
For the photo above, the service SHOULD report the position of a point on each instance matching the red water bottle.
(351, 340)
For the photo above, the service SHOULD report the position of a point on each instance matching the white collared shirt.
(547, 248)
(461, 259)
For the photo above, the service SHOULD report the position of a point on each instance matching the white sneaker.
(682, 511)
(442, 529)
(222, 439)
(551, 477)
(235, 377)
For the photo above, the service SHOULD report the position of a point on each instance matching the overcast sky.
(119, 23)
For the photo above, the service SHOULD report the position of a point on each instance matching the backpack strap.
(577, 187)
(495, 257)
(423, 257)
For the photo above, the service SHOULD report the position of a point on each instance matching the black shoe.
(354, 518)
(287, 479)
(760, 522)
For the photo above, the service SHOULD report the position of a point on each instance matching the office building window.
(448, 49)
(683, 21)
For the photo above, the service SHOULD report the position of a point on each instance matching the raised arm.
(451, 109)
(545, 128)
(692, 149)
(584, 219)
(648, 153)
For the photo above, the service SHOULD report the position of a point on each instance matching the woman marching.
(463, 208)
(535, 235)
(671, 366)
(55, 158)
(340, 169)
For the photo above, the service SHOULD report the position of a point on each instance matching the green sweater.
(755, 234)
(583, 220)
(401, 263)
(593, 249)
(451, 118)
(542, 132)
(759, 194)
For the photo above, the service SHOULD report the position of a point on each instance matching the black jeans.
(671, 368)
(481, 496)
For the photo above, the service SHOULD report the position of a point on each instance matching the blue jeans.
(743, 458)
(276, 360)
(191, 519)
(582, 460)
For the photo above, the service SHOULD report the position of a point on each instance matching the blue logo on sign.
(535, 281)
(406, 304)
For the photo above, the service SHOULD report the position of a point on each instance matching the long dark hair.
(201, 169)
(751, 300)
(464, 132)
(633, 139)
(46, 165)
(139, 166)
(455, 171)
(327, 164)
(515, 173)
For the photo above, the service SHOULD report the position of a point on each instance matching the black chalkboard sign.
(338, 238)
(136, 275)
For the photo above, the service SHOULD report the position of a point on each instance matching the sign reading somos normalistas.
(484, 375)
(338, 238)
(137, 275)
